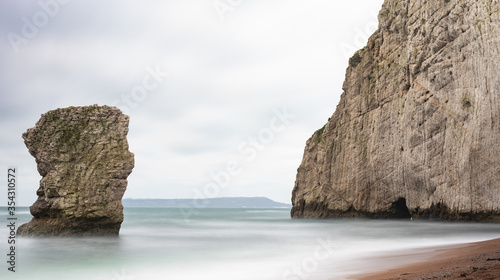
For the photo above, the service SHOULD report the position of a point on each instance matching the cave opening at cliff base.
(399, 210)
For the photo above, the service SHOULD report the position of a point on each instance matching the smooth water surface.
(163, 243)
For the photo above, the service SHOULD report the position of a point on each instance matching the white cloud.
(226, 77)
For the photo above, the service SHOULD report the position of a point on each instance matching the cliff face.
(417, 129)
(82, 154)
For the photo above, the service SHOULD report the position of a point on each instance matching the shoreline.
(478, 260)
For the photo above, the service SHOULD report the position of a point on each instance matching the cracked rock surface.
(416, 132)
(83, 157)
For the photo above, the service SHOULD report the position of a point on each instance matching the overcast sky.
(222, 95)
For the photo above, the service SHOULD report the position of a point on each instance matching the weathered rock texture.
(82, 154)
(417, 129)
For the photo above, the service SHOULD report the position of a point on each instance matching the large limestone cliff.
(417, 130)
(82, 154)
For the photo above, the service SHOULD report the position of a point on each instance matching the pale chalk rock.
(83, 156)
(417, 130)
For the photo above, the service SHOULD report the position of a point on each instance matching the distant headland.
(220, 202)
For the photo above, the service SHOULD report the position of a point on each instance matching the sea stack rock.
(83, 156)
(417, 130)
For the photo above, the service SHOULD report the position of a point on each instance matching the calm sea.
(232, 244)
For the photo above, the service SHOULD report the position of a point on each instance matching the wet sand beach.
(473, 261)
